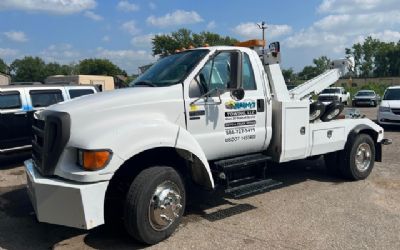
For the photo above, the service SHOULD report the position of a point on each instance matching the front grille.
(327, 98)
(49, 137)
(396, 111)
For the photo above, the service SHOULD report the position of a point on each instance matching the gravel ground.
(311, 210)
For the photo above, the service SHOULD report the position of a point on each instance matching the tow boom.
(317, 84)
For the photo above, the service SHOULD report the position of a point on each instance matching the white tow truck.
(208, 117)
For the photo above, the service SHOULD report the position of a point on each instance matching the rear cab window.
(45, 97)
(74, 93)
(10, 100)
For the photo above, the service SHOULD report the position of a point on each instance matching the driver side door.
(223, 126)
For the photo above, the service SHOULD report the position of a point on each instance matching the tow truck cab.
(208, 116)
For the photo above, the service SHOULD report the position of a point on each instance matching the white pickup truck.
(208, 117)
(334, 94)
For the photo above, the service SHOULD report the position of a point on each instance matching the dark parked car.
(19, 102)
(366, 97)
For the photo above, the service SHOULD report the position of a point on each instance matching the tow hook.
(386, 141)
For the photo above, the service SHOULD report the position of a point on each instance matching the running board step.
(242, 161)
(250, 188)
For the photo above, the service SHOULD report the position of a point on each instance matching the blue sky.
(67, 31)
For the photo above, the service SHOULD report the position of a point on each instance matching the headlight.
(384, 109)
(93, 159)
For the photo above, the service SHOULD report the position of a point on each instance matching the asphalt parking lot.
(311, 210)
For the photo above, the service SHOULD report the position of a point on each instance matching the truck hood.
(391, 103)
(109, 111)
(128, 98)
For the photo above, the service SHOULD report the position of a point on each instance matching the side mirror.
(236, 70)
(237, 94)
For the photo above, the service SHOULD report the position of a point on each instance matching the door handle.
(260, 105)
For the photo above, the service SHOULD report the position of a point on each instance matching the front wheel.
(358, 158)
(155, 204)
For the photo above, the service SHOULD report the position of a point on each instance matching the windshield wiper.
(145, 83)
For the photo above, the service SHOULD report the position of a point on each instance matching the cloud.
(211, 25)
(130, 27)
(252, 31)
(127, 6)
(143, 41)
(6, 52)
(178, 17)
(93, 16)
(356, 6)
(344, 29)
(313, 38)
(50, 6)
(356, 23)
(63, 53)
(385, 36)
(16, 36)
(129, 60)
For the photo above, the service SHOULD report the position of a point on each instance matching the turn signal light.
(93, 160)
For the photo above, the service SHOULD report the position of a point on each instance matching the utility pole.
(263, 27)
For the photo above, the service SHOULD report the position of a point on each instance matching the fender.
(130, 139)
(373, 133)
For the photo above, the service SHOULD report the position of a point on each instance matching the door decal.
(240, 120)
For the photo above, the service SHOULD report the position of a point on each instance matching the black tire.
(317, 109)
(136, 210)
(347, 157)
(332, 111)
(332, 164)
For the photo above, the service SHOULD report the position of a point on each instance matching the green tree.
(28, 69)
(289, 75)
(99, 67)
(321, 63)
(3, 67)
(374, 58)
(183, 38)
(308, 72)
(58, 69)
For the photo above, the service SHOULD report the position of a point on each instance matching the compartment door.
(296, 132)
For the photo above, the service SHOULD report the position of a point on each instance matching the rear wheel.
(154, 205)
(358, 158)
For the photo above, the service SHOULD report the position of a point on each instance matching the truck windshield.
(330, 91)
(365, 93)
(170, 70)
(392, 94)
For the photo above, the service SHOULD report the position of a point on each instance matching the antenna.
(263, 27)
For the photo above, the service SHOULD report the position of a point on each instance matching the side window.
(248, 81)
(44, 98)
(216, 74)
(73, 93)
(10, 100)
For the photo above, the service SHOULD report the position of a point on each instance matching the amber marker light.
(93, 160)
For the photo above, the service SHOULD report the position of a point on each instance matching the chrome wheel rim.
(165, 206)
(363, 157)
(315, 114)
